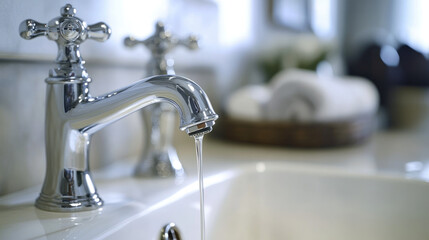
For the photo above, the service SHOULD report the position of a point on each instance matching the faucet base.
(162, 164)
(67, 204)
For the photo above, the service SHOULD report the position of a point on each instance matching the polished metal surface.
(68, 32)
(73, 115)
(159, 157)
(170, 232)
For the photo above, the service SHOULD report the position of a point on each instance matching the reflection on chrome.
(73, 115)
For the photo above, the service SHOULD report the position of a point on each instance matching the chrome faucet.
(73, 115)
(159, 157)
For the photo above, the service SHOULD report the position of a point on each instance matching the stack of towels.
(303, 96)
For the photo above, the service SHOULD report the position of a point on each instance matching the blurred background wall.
(234, 35)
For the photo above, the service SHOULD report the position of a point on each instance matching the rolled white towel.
(366, 94)
(292, 74)
(247, 103)
(294, 96)
(303, 96)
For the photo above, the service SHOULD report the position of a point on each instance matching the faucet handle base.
(160, 164)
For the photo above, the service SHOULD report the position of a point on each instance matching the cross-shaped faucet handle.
(161, 43)
(68, 32)
(66, 29)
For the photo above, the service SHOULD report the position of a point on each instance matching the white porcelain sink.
(281, 203)
(254, 201)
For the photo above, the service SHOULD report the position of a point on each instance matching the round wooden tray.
(301, 135)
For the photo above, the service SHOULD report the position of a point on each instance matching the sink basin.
(276, 202)
(252, 201)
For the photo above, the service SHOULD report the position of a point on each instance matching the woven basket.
(300, 135)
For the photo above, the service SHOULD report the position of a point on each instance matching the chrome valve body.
(159, 156)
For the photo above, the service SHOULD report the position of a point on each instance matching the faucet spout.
(72, 116)
(186, 96)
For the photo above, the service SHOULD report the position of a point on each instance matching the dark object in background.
(370, 65)
(414, 66)
(411, 70)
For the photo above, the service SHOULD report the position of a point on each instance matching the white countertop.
(398, 153)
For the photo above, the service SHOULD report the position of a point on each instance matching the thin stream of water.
(199, 150)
